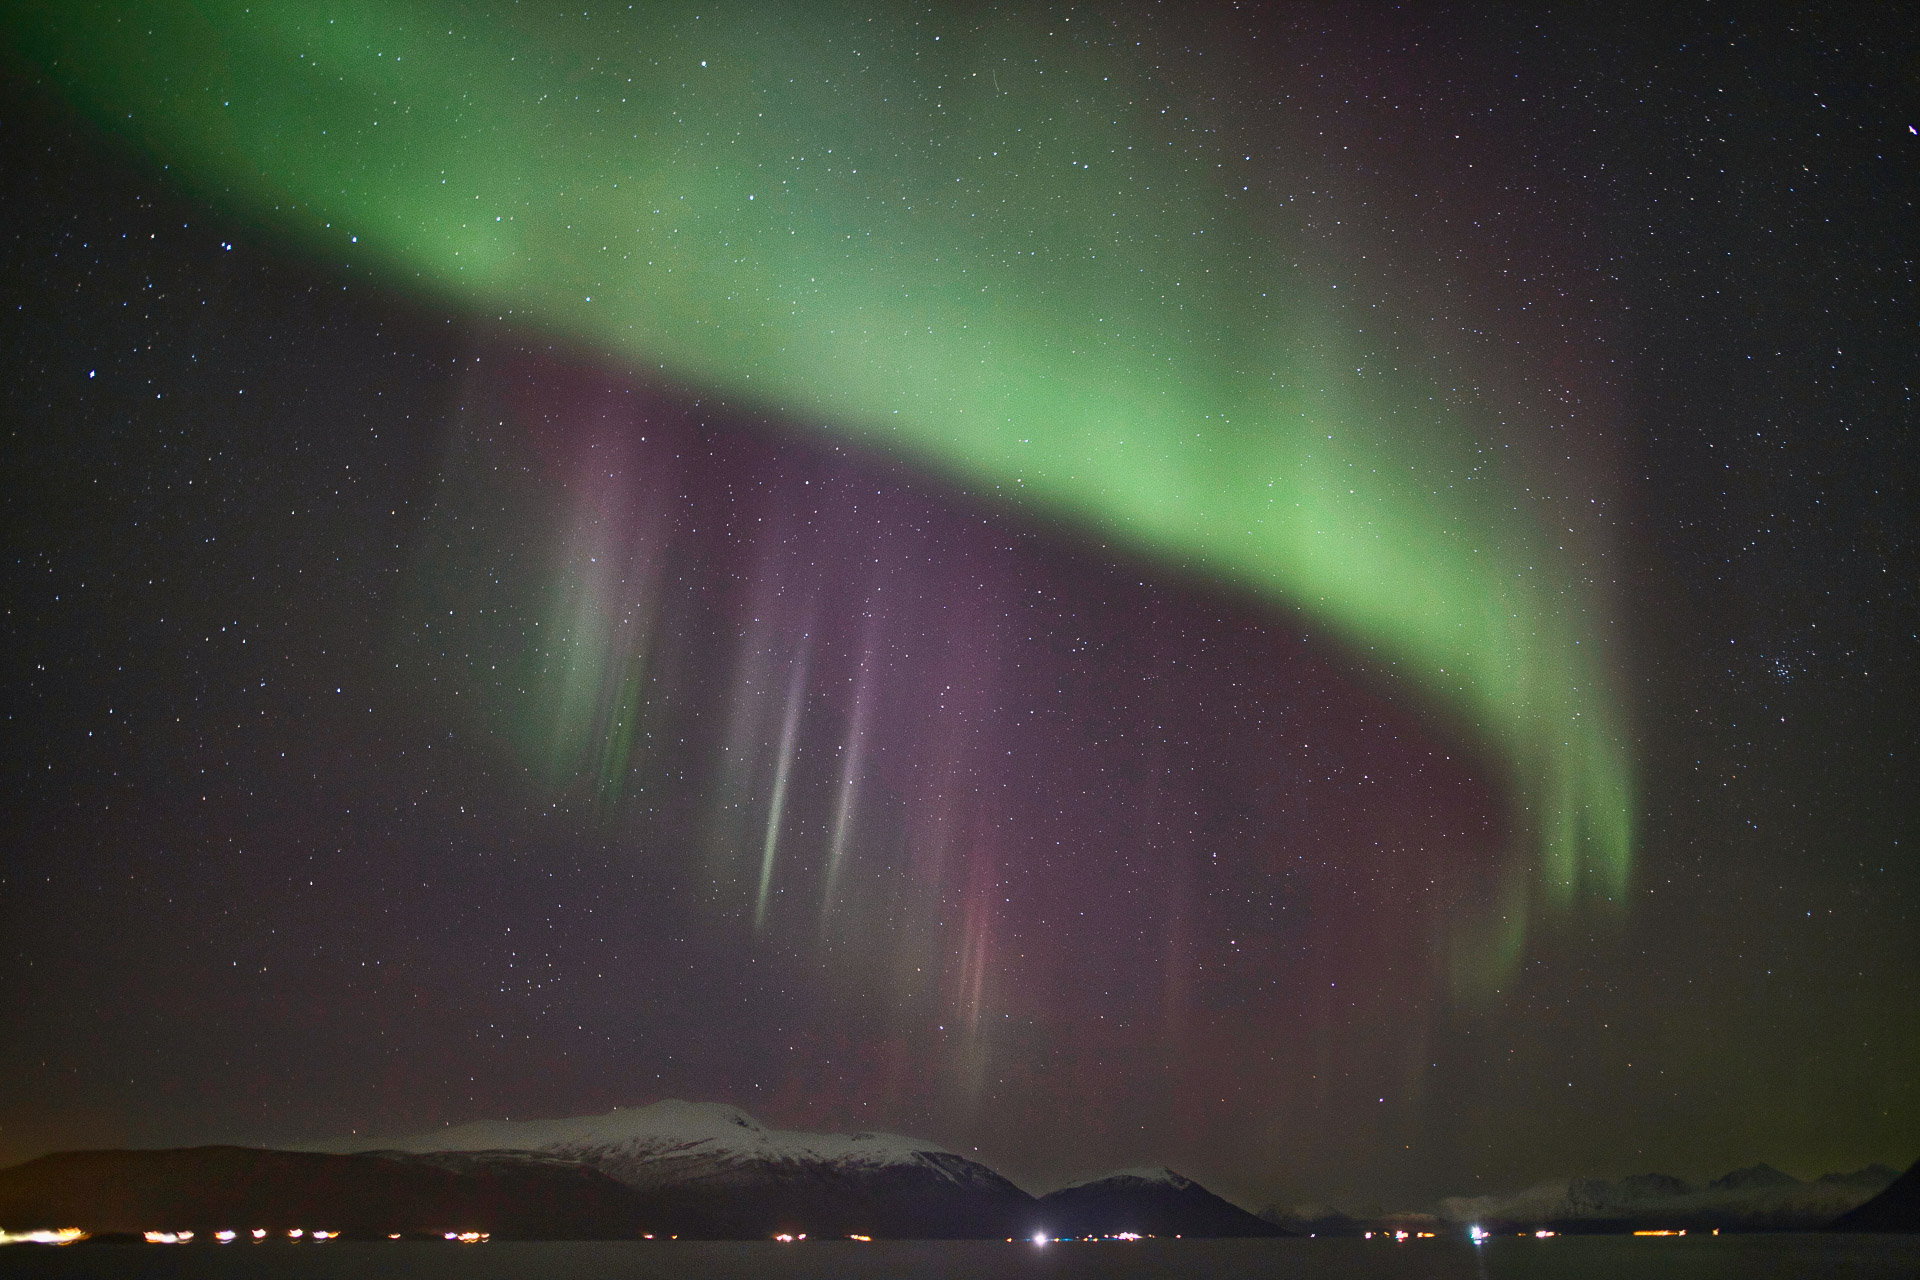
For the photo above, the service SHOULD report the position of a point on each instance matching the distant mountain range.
(710, 1171)
(1757, 1198)
(1895, 1209)
(672, 1169)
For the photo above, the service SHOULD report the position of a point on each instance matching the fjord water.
(1751, 1257)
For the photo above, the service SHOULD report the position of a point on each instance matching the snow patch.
(1158, 1175)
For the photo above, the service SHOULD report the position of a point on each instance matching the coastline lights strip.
(883, 245)
(65, 1235)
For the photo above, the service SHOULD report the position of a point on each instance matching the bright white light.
(259, 1233)
(1040, 1239)
(66, 1235)
(225, 1237)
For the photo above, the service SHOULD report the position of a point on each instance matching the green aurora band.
(983, 247)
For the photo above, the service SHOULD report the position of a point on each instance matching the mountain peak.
(1753, 1178)
(1158, 1175)
(1876, 1176)
(1148, 1201)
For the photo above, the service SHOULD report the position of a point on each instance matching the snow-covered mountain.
(716, 1170)
(1146, 1175)
(1755, 1198)
(673, 1143)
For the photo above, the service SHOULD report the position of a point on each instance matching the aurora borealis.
(1041, 287)
(1083, 571)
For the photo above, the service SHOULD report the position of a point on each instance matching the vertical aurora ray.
(782, 771)
(852, 756)
(739, 752)
(585, 665)
(973, 994)
(985, 253)
(617, 740)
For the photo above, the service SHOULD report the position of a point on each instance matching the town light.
(65, 1235)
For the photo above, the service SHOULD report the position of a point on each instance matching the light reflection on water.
(1578, 1258)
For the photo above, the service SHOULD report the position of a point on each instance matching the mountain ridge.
(673, 1168)
(1758, 1197)
(1895, 1207)
(1152, 1201)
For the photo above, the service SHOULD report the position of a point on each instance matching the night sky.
(1324, 600)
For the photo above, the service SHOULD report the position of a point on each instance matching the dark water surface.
(1583, 1258)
